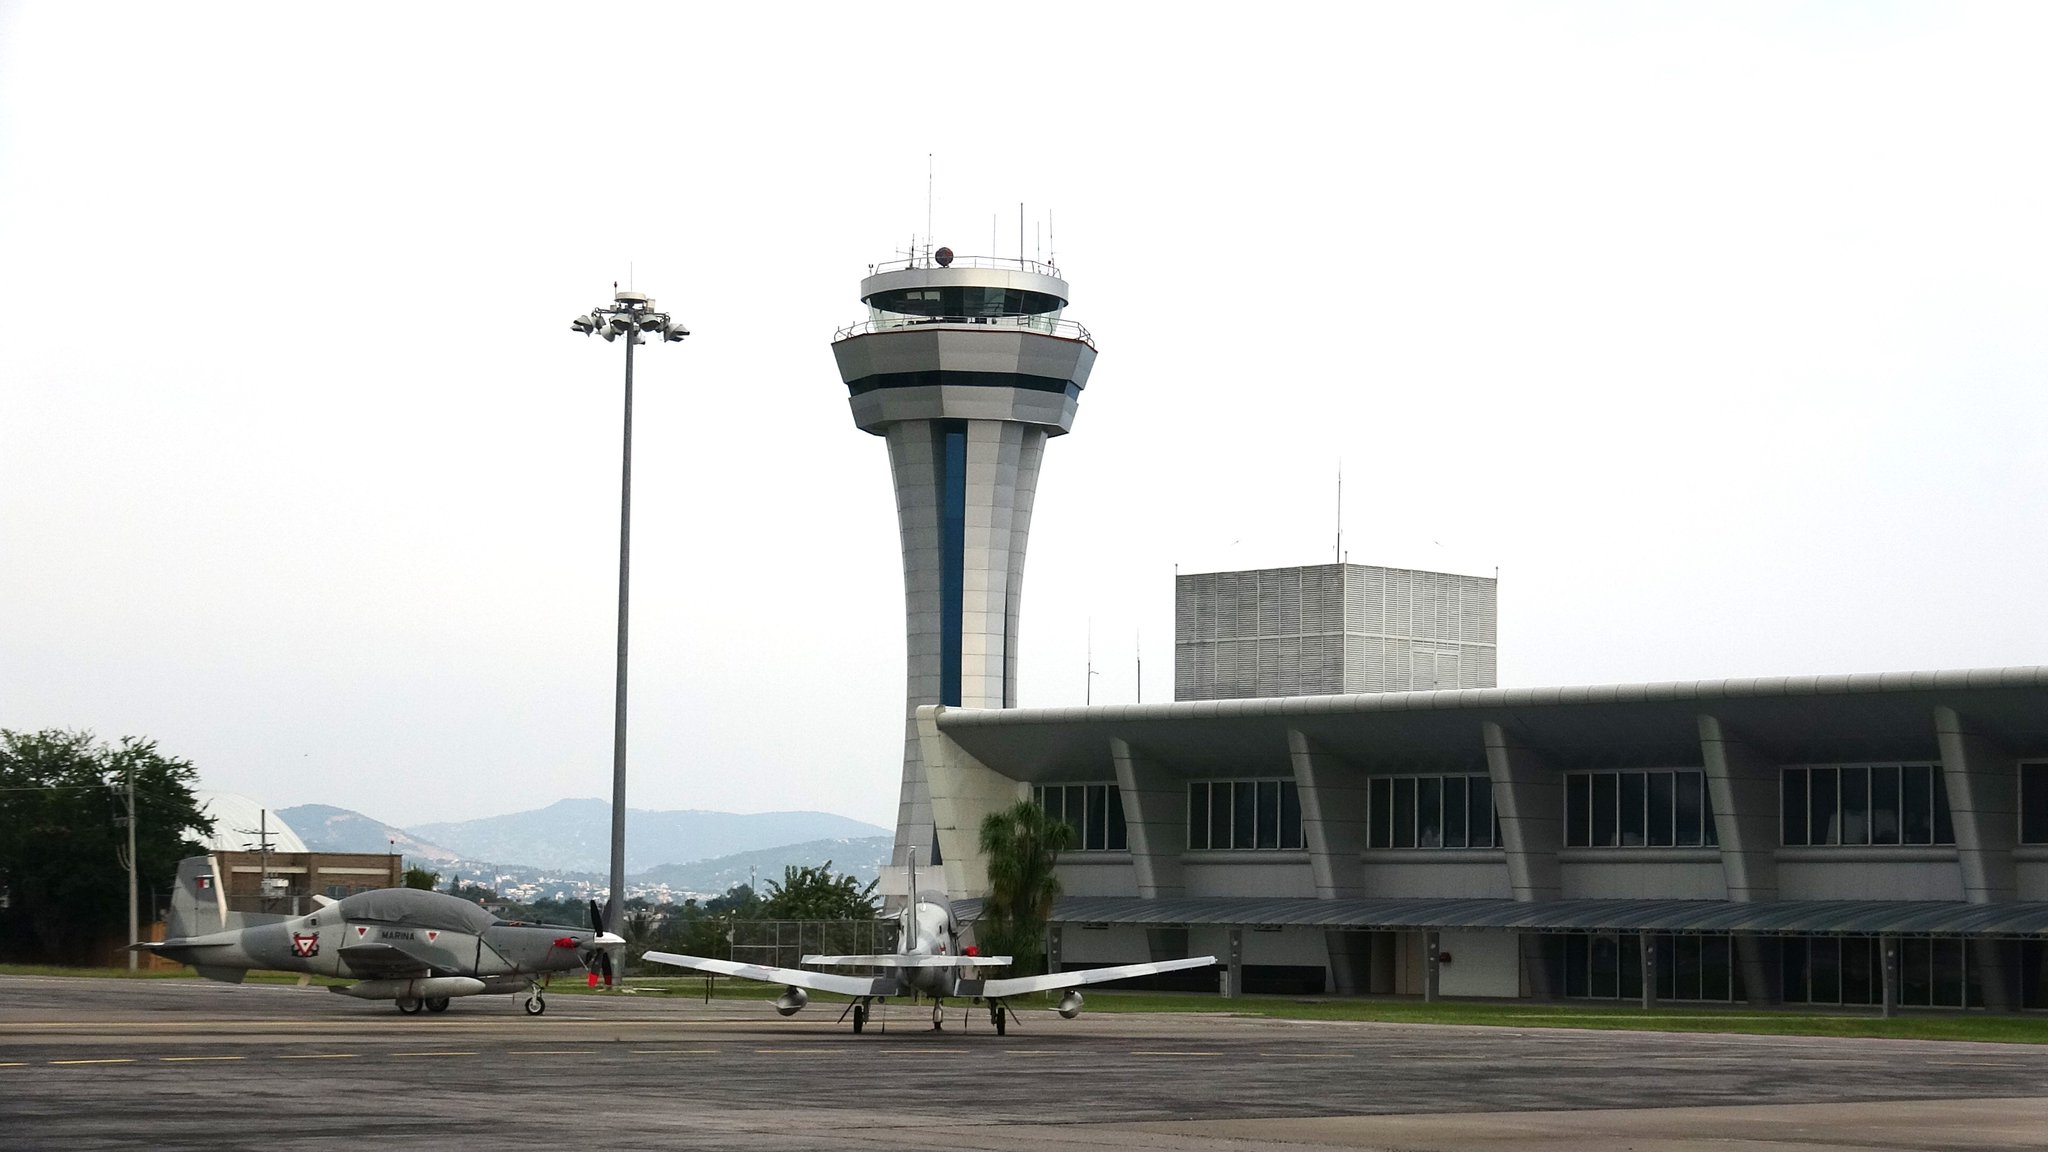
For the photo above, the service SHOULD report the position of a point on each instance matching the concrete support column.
(1236, 959)
(1432, 949)
(1528, 795)
(1742, 787)
(1983, 799)
(1332, 818)
(963, 791)
(1155, 819)
(1888, 960)
(1649, 965)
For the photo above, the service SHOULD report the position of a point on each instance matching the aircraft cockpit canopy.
(415, 908)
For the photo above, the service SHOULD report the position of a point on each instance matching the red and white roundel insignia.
(305, 946)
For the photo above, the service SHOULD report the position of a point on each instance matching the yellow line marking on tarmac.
(1176, 1053)
(194, 1059)
(117, 1060)
(433, 1053)
(674, 1051)
(13, 1063)
(322, 1056)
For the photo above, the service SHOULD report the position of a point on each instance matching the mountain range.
(575, 835)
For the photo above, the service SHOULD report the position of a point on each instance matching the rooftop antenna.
(927, 198)
(1052, 253)
(1020, 233)
(1138, 646)
(1088, 692)
(1340, 510)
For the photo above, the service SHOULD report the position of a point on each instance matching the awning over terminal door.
(1779, 918)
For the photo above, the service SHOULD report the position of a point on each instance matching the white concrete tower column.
(965, 368)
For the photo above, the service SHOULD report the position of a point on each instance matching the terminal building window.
(1658, 808)
(1244, 814)
(1431, 812)
(1095, 811)
(2034, 803)
(1864, 804)
(1850, 970)
(1600, 966)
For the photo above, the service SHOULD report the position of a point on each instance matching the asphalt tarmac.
(189, 1064)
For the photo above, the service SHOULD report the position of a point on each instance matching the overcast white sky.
(1721, 330)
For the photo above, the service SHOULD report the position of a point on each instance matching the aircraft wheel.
(437, 1004)
(535, 1005)
(860, 1017)
(1002, 1020)
(938, 1017)
(410, 1007)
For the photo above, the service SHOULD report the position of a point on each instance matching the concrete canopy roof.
(1781, 918)
(1798, 719)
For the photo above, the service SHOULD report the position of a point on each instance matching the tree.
(420, 878)
(63, 847)
(818, 893)
(1021, 845)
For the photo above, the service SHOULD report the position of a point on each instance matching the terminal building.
(1821, 840)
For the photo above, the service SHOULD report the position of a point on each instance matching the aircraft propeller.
(598, 961)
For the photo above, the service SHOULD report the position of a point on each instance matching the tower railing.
(1063, 329)
(925, 261)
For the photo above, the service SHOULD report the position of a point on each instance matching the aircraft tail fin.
(199, 904)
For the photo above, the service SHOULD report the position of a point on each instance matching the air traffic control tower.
(965, 367)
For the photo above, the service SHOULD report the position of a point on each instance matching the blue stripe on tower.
(952, 554)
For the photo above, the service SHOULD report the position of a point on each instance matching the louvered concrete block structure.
(1331, 628)
(966, 368)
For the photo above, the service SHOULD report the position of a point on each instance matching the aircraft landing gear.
(437, 1004)
(1000, 1015)
(411, 1007)
(535, 1005)
(860, 1018)
(938, 1016)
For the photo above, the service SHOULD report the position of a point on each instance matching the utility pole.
(134, 929)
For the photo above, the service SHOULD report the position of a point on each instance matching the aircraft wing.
(905, 961)
(1019, 985)
(794, 977)
(374, 961)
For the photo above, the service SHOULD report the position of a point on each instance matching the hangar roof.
(1798, 719)
(1776, 918)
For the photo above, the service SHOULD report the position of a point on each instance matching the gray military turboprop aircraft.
(933, 964)
(416, 947)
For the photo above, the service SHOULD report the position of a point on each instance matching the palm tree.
(1021, 846)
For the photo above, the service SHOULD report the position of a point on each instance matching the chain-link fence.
(784, 943)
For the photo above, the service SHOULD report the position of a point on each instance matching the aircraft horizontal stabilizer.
(1019, 985)
(793, 977)
(906, 961)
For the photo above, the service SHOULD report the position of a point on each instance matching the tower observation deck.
(965, 367)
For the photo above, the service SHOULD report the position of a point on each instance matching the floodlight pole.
(630, 314)
(615, 907)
